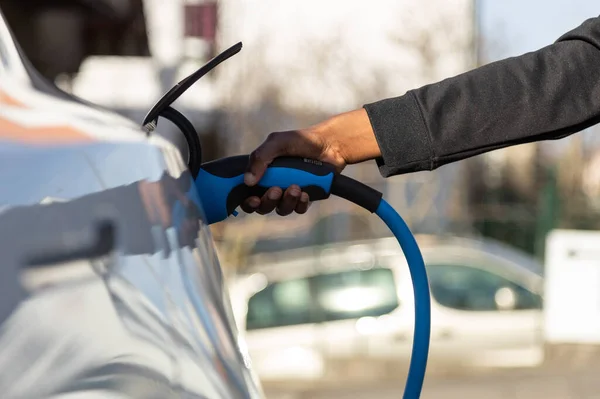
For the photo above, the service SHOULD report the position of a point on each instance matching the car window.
(324, 297)
(475, 289)
(356, 293)
(283, 303)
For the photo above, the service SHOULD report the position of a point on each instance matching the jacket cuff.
(402, 135)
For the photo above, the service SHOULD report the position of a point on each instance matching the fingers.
(291, 143)
(290, 200)
(293, 200)
(263, 205)
(303, 204)
(270, 200)
(251, 204)
(261, 158)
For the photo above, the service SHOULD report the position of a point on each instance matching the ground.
(568, 373)
(502, 385)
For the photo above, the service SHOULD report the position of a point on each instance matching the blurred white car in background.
(305, 310)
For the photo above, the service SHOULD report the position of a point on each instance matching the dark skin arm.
(547, 94)
(342, 140)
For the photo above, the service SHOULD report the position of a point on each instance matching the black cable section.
(186, 83)
(356, 192)
(191, 136)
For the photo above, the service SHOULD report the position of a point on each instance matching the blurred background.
(325, 299)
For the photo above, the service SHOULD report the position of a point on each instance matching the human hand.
(341, 140)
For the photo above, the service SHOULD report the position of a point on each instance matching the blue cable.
(223, 190)
(418, 274)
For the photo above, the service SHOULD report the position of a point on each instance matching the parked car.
(304, 309)
(109, 285)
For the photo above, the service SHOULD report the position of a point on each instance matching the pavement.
(557, 381)
(568, 372)
(500, 386)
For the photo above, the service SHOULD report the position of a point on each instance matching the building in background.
(57, 35)
(122, 54)
(181, 37)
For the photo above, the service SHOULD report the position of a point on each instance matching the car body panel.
(110, 283)
(153, 304)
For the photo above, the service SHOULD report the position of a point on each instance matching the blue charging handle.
(221, 189)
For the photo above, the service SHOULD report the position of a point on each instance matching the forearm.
(547, 94)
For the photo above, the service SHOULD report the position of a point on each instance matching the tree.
(264, 91)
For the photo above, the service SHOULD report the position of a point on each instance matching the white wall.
(572, 287)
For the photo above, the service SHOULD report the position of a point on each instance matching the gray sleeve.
(543, 95)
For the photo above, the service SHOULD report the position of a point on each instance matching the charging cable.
(221, 189)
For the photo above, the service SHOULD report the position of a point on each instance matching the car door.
(487, 314)
(353, 306)
(282, 331)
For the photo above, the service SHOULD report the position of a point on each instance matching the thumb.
(261, 158)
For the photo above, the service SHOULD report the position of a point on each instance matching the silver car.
(110, 287)
(323, 312)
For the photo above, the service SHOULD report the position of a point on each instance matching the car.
(110, 283)
(309, 313)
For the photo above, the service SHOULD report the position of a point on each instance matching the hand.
(341, 140)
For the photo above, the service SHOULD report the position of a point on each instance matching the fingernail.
(273, 195)
(294, 192)
(254, 202)
(304, 197)
(249, 179)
